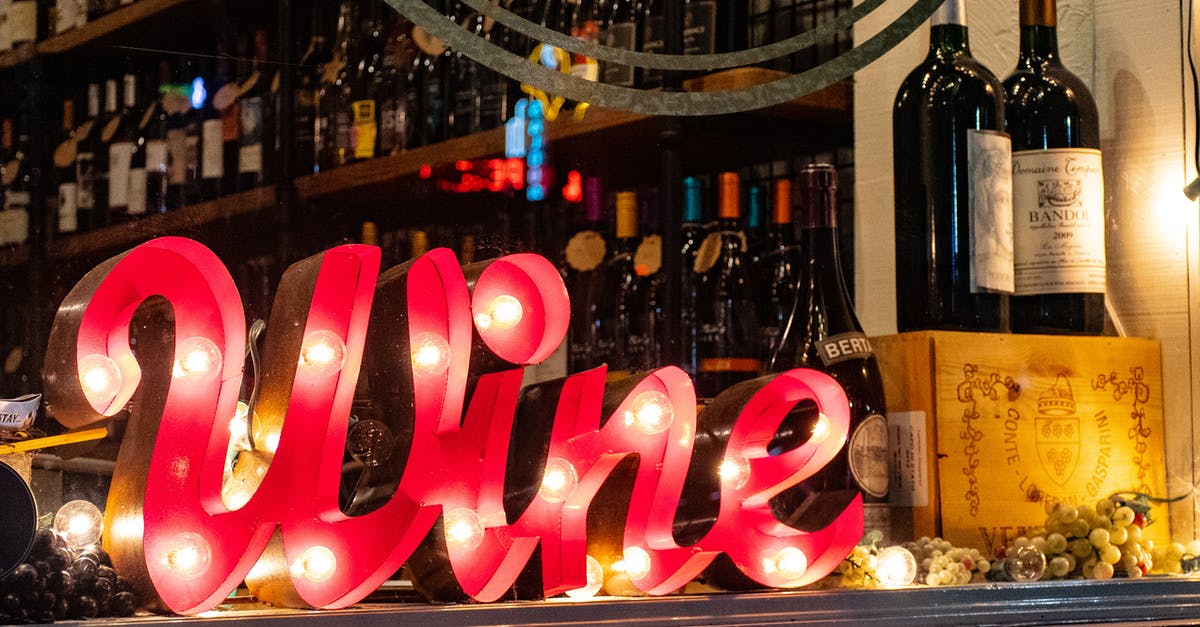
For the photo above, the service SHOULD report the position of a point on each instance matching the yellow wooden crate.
(988, 428)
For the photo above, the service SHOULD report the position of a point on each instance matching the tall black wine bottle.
(954, 261)
(1057, 188)
(823, 333)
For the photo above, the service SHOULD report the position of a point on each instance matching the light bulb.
(430, 354)
(197, 358)
(650, 413)
(239, 427)
(322, 352)
(79, 522)
(558, 481)
(189, 556)
(821, 430)
(789, 563)
(316, 564)
(503, 312)
(100, 378)
(637, 562)
(464, 529)
(896, 567)
(735, 470)
(595, 580)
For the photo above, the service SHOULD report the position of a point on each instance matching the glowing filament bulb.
(239, 426)
(190, 556)
(79, 522)
(430, 354)
(197, 358)
(464, 529)
(316, 564)
(100, 378)
(503, 313)
(595, 580)
(650, 413)
(896, 567)
(821, 429)
(789, 563)
(735, 470)
(558, 482)
(322, 352)
(637, 562)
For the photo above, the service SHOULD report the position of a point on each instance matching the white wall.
(1131, 55)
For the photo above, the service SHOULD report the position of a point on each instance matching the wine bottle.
(952, 182)
(468, 94)
(823, 333)
(756, 220)
(121, 135)
(64, 172)
(392, 85)
(87, 138)
(693, 235)
(585, 252)
(619, 30)
(153, 136)
(140, 114)
(622, 311)
(215, 181)
(726, 308)
(333, 125)
(776, 264)
(652, 41)
(256, 130)
(496, 91)
(364, 136)
(305, 134)
(1057, 186)
(16, 176)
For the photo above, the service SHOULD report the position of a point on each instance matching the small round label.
(110, 130)
(64, 155)
(586, 251)
(708, 253)
(225, 97)
(649, 254)
(868, 454)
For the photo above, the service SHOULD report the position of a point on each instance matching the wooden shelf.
(92, 31)
(833, 102)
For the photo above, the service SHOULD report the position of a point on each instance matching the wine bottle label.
(137, 192)
(586, 250)
(85, 175)
(68, 205)
(648, 258)
(177, 156)
(64, 154)
(835, 349)
(5, 31)
(878, 517)
(343, 131)
(65, 15)
(248, 84)
(908, 442)
(867, 451)
(700, 27)
(156, 155)
(1058, 221)
(212, 161)
(989, 167)
(362, 135)
(709, 251)
(623, 36)
(110, 130)
(226, 96)
(22, 21)
(120, 157)
(16, 217)
(147, 116)
(84, 129)
(391, 126)
(250, 155)
(652, 42)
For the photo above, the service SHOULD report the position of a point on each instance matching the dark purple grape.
(42, 567)
(42, 602)
(84, 607)
(62, 608)
(103, 590)
(59, 558)
(43, 617)
(60, 582)
(10, 602)
(106, 572)
(22, 617)
(43, 543)
(122, 604)
(85, 571)
(22, 579)
(97, 554)
(124, 585)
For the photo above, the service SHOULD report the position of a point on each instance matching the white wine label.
(250, 156)
(867, 451)
(1058, 221)
(250, 159)
(835, 349)
(16, 201)
(156, 155)
(212, 161)
(907, 442)
(65, 15)
(648, 256)
(586, 251)
(68, 205)
(85, 176)
(64, 154)
(137, 192)
(120, 156)
(14, 219)
(22, 21)
(989, 172)
(177, 156)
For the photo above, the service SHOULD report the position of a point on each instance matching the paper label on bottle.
(8, 173)
(648, 258)
(157, 155)
(176, 104)
(18, 201)
(148, 115)
(622, 36)
(250, 155)
(907, 447)
(110, 129)
(708, 253)
(5, 32)
(249, 83)
(835, 349)
(428, 44)
(18, 413)
(586, 250)
(1058, 221)
(177, 156)
(137, 192)
(64, 154)
(81, 14)
(15, 217)
(120, 157)
(392, 126)
(85, 176)
(989, 166)
(84, 129)
(226, 96)
(68, 205)
(22, 21)
(362, 134)
(212, 162)
(65, 15)
(867, 451)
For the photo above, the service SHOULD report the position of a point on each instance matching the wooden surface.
(92, 31)
(1023, 420)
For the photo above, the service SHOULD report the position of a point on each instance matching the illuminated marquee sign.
(492, 477)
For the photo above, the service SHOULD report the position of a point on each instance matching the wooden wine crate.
(986, 429)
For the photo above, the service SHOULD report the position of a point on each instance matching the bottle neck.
(947, 41)
(1039, 32)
